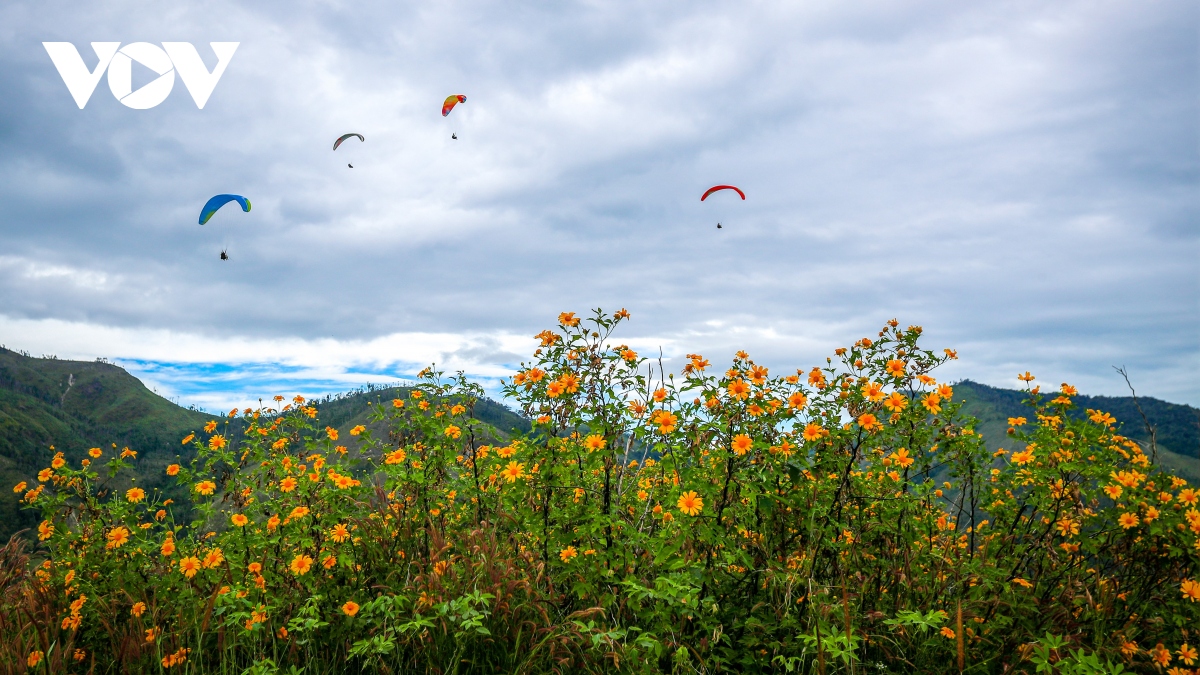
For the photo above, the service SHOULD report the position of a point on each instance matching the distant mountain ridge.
(76, 405)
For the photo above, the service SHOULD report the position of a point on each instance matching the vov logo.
(171, 58)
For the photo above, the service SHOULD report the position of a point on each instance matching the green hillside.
(76, 405)
(1177, 427)
(349, 410)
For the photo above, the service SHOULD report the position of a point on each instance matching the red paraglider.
(723, 187)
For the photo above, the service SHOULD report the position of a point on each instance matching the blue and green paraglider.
(214, 204)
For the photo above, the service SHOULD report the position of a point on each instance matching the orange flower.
(1127, 520)
(690, 503)
(896, 368)
(797, 401)
(758, 375)
(567, 553)
(568, 319)
(301, 564)
(350, 608)
(1189, 497)
(397, 403)
(513, 471)
(932, 402)
(902, 459)
(666, 421)
(738, 389)
(873, 391)
(217, 442)
(272, 523)
(1188, 655)
(20, 486)
(947, 632)
(554, 389)
(339, 533)
(594, 442)
(168, 548)
(570, 382)
(1023, 457)
(254, 568)
(210, 427)
(117, 537)
(206, 487)
(816, 378)
(1190, 589)
(95, 453)
(189, 566)
(1113, 491)
(360, 428)
(329, 561)
(742, 444)
(45, 530)
(452, 431)
(239, 520)
(814, 431)
(332, 433)
(213, 558)
(298, 512)
(869, 422)
(34, 658)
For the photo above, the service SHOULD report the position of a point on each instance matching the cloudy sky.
(1021, 178)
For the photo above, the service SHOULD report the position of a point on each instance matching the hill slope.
(1177, 427)
(76, 405)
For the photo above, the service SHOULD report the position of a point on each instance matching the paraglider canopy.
(211, 206)
(452, 101)
(722, 187)
(344, 137)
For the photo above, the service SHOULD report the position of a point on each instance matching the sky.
(1022, 179)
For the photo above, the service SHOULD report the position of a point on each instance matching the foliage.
(841, 518)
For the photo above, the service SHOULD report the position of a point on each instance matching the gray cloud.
(1019, 178)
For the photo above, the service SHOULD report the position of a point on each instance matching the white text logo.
(171, 58)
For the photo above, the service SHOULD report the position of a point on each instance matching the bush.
(836, 519)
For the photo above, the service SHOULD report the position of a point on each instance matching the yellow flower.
(189, 566)
(339, 533)
(45, 530)
(20, 486)
(117, 537)
(896, 368)
(298, 512)
(95, 453)
(216, 442)
(814, 431)
(210, 427)
(513, 471)
(350, 608)
(332, 433)
(567, 553)
(873, 391)
(206, 487)
(452, 431)
(357, 430)
(738, 389)
(1127, 520)
(742, 444)
(1190, 589)
(301, 564)
(594, 442)
(138, 609)
(136, 494)
(1023, 457)
(213, 558)
(287, 484)
(690, 503)
(239, 520)
(568, 319)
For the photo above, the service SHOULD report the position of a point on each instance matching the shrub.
(842, 517)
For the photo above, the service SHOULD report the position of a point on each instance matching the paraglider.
(452, 101)
(718, 226)
(224, 254)
(454, 137)
(344, 137)
(715, 188)
(350, 165)
(212, 205)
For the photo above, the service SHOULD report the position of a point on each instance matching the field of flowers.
(836, 519)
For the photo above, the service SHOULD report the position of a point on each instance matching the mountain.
(1177, 427)
(76, 405)
(73, 406)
